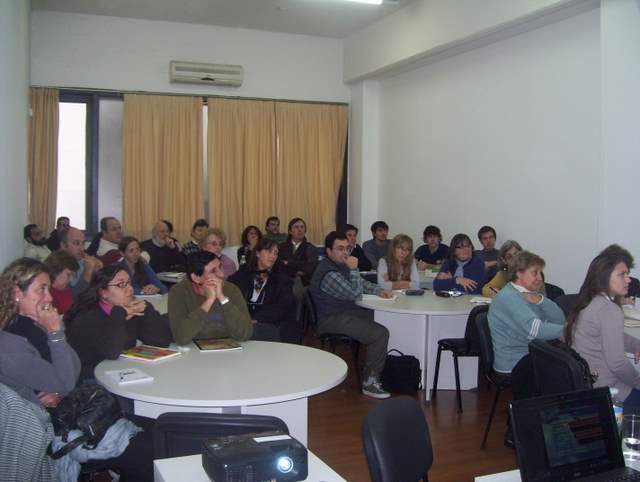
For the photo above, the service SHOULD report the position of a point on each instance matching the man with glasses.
(335, 286)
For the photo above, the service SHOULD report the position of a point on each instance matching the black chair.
(500, 380)
(468, 346)
(553, 291)
(556, 369)
(311, 319)
(181, 433)
(397, 441)
(566, 302)
(634, 287)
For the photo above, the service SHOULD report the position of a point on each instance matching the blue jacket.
(135, 281)
(474, 270)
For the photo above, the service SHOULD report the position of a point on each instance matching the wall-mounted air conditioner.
(212, 74)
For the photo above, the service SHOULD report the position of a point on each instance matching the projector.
(255, 457)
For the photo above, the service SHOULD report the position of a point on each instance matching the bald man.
(164, 251)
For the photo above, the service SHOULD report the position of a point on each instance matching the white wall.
(507, 135)
(14, 109)
(73, 50)
(428, 28)
(620, 51)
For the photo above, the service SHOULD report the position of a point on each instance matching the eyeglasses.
(122, 284)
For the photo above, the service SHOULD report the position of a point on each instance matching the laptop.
(569, 436)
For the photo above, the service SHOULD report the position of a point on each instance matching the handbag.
(90, 408)
(401, 373)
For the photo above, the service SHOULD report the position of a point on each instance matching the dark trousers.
(358, 324)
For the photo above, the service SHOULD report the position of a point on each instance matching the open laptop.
(569, 436)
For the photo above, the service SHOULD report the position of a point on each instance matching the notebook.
(568, 436)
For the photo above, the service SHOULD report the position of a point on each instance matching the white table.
(159, 302)
(509, 476)
(263, 378)
(189, 469)
(415, 325)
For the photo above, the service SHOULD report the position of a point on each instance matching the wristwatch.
(224, 301)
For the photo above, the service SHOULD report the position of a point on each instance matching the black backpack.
(401, 374)
(89, 408)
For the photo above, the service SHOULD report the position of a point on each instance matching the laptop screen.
(566, 436)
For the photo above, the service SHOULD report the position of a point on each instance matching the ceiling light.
(372, 2)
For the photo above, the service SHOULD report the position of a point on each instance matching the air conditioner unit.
(212, 74)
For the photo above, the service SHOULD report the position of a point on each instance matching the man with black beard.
(35, 243)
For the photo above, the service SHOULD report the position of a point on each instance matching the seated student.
(272, 230)
(35, 244)
(250, 237)
(507, 251)
(143, 278)
(197, 232)
(164, 251)
(108, 319)
(38, 364)
(298, 258)
(398, 271)
(269, 292)
(53, 242)
(204, 306)
(461, 270)
(105, 244)
(335, 287)
(72, 242)
(595, 326)
(61, 267)
(519, 314)
(433, 253)
(356, 251)
(378, 246)
(214, 240)
(488, 253)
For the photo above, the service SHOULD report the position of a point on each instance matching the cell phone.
(444, 294)
(414, 292)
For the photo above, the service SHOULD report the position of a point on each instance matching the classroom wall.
(90, 51)
(14, 109)
(507, 135)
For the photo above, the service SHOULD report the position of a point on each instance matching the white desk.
(189, 469)
(415, 325)
(510, 476)
(159, 302)
(263, 378)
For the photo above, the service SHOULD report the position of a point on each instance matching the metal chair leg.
(493, 411)
(434, 388)
(457, 373)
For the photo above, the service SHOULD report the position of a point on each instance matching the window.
(72, 150)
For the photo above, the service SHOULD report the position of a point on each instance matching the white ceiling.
(326, 18)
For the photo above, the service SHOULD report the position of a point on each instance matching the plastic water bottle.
(617, 407)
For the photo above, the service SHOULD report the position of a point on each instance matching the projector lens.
(284, 464)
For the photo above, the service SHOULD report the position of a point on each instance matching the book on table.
(217, 344)
(149, 353)
(126, 376)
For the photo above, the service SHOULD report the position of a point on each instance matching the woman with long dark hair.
(268, 292)
(398, 270)
(143, 278)
(595, 325)
(250, 237)
(462, 270)
(107, 318)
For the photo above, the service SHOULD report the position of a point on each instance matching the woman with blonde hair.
(398, 270)
(214, 240)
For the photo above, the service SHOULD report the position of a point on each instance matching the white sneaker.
(374, 389)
